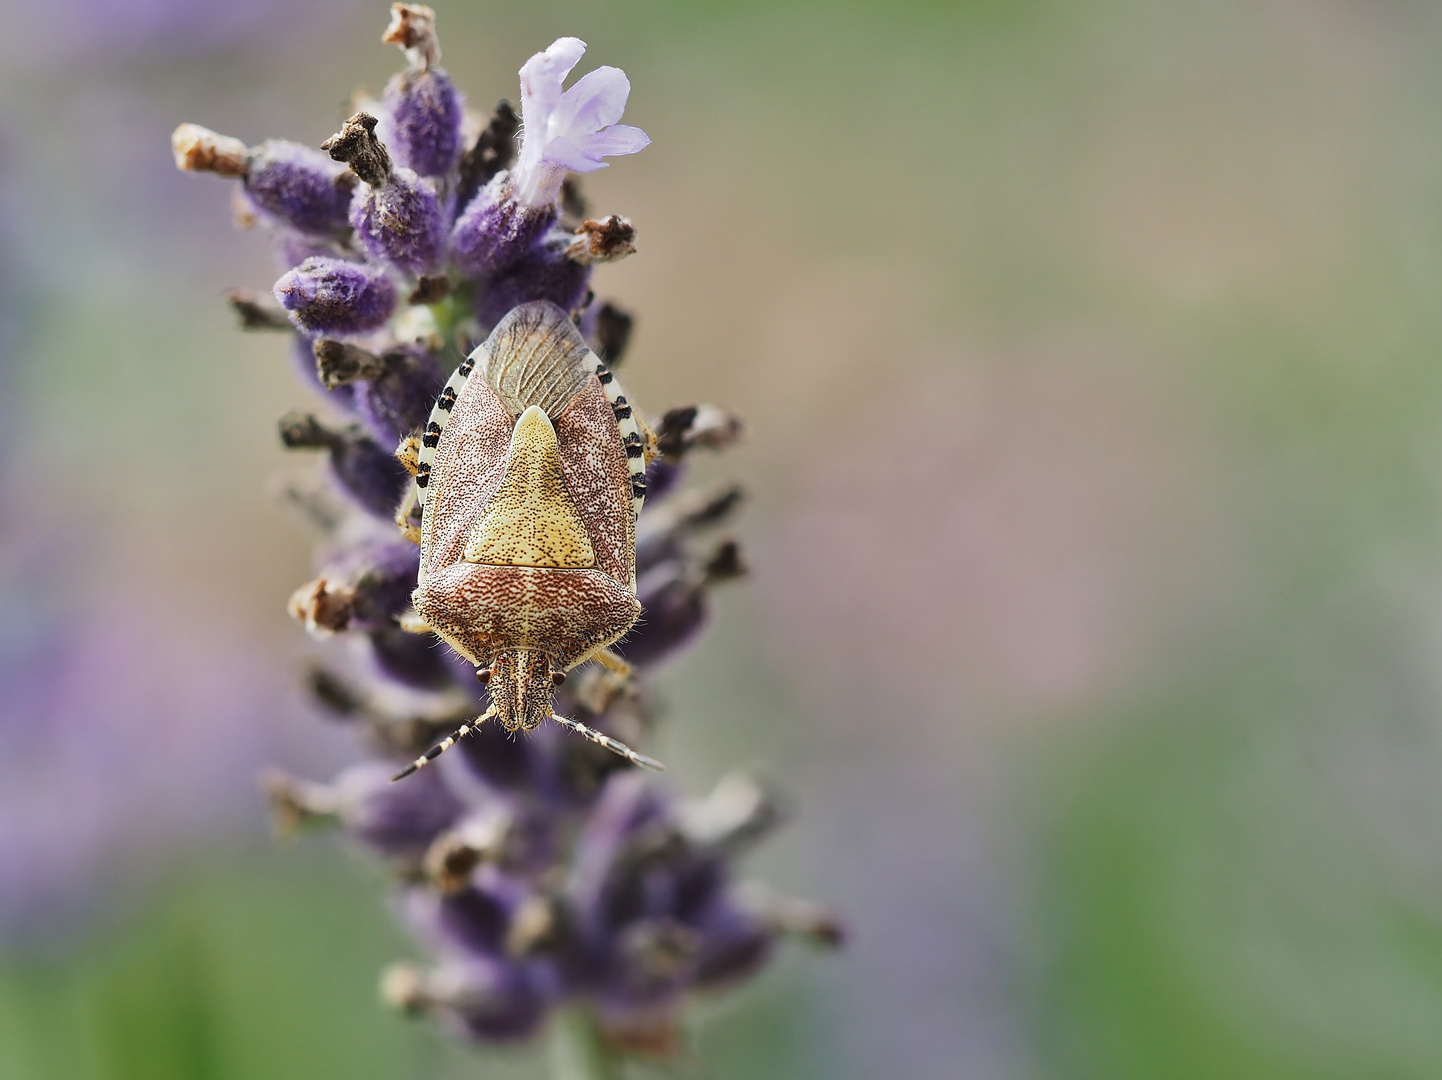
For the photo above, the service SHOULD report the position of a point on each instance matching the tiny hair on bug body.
(530, 474)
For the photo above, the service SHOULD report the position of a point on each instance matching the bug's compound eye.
(557, 678)
(484, 675)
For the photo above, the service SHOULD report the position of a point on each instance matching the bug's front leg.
(611, 662)
(412, 623)
(408, 454)
(649, 442)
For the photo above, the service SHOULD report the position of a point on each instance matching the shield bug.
(530, 475)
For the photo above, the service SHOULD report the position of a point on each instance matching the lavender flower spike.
(573, 129)
(553, 886)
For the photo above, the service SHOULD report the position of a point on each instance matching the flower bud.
(413, 660)
(673, 602)
(425, 121)
(257, 312)
(299, 187)
(603, 241)
(330, 296)
(397, 820)
(478, 997)
(199, 149)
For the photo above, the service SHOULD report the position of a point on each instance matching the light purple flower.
(572, 129)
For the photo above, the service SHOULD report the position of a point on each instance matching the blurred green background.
(1092, 356)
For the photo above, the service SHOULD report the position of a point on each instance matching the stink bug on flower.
(530, 475)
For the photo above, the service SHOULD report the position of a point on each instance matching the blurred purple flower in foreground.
(540, 871)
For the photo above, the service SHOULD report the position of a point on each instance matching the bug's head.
(521, 682)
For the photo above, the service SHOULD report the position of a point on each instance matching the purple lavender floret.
(544, 272)
(368, 473)
(674, 603)
(662, 478)
(425, 121)
(398, 401)
(299, 186)
(410, 660)
(394, 821)
(330, 296)
(541, 871)
(494, 230)
(401, 223)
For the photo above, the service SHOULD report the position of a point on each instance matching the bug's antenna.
(446, 743)
(609, 743)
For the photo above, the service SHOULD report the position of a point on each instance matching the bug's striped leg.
(444, 745)
(609, 743)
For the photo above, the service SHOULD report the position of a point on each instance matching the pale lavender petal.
(543, 74)
(596, 101)
(620, 139)
(562, 151)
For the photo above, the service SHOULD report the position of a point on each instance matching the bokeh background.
(1092, 355)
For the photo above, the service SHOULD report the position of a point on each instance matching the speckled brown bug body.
(530, 475)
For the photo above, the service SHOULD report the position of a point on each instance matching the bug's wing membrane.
(470, 455)
(536, 357)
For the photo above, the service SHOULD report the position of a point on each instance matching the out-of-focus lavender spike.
(371, 474)
(415, 660)
(608, 329)
(494, 231)
(476, 997)
(330, 296)
(544, 273)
